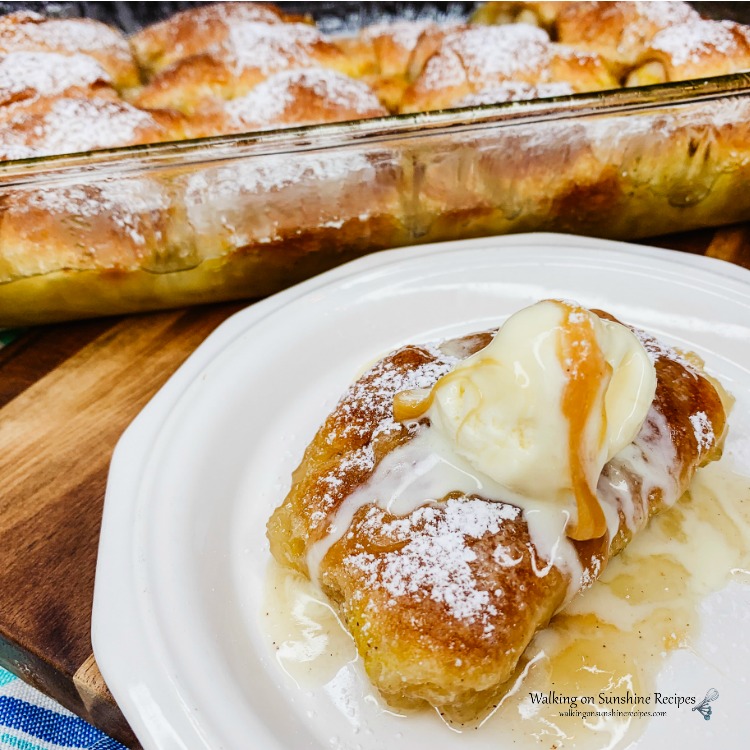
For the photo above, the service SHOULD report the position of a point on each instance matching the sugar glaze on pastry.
(442, 597)
(487, 438)
(652, 601)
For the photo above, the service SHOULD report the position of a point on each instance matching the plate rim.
(116, 599)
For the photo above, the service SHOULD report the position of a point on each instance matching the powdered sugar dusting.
(271, 173)
(373, 394)
(665, 14)
(442, 71)
(124, 203)
(268, 103)
(689, 42)
(102, 198)
(500, 51)
(360, 462)
(73, 125)
(514, 91)
(436, 559)
(47, 73)
(656, 350)
(703, 429)
(31, 31)
(271, 47)
(228, 14)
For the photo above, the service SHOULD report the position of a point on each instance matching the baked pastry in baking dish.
(295, 97)
(221, 64)
(46, 75)
(619, 31)
(420, 509)
(470, 60)
(693, 49)
(255, 224)
(48, 126)
(196, 31)
(26, 31)
(252, 51)
(118, 227)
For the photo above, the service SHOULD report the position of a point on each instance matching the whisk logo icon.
(704, 706)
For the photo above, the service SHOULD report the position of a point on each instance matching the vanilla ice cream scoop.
(541, 409)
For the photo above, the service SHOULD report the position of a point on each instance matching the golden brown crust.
(413, 648)
(436, 614)
(393, 44)
(253, 53)
(605, 178)
(30, 32)
(429, 43)
(47, 126)
(292, 98)
(190, 83)
(113, 226)
(386, 50)
(197, 31)
(695, 49)
(470, 61)
(619, 31)
(27, 76)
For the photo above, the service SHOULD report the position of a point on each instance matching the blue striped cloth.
(32, 721)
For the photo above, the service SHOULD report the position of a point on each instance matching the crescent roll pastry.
(476, 59)
(105, 226)
(694, 49)
(290, 218)
(294, 97)
(251, 52)
(196, 31)
(393, 43)
(70, 125)
(26, 31)
(422, 509)
(388, 47)
(32, 75)
(619, 31)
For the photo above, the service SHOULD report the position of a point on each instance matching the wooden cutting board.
(67, 392)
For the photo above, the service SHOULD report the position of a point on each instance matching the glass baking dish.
(149, 227)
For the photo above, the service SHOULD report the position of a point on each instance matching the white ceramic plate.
(182, 564)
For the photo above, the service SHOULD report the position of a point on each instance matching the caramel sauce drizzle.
(585, 367)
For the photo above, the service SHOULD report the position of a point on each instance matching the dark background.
(332, 17)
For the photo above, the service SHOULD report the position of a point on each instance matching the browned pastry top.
(198, 30)
(31, 75)
(28, 31)
(443, 600)
(618, 30)
(296, 97)
(695, 49)
(73, 124)
(200, 59)
(475, 59)
(250, 53)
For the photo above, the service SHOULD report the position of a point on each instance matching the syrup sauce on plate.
(611, 641)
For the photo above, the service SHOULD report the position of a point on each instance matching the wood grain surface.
(67, 392)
